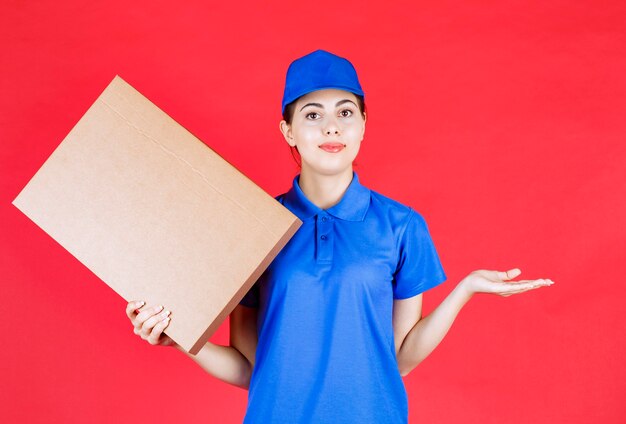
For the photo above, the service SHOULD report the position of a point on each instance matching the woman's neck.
(324, 191)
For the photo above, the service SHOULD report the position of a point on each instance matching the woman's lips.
(332, 147)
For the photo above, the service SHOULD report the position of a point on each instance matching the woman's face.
(327, 128)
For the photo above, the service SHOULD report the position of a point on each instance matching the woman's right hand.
(149, 322)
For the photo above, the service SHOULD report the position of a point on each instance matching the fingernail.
(140, 304)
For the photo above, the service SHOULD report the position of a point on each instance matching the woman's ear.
(364, 122)
(285, 128)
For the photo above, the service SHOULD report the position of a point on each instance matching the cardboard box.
(156, 214)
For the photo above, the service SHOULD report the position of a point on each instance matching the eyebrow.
(339, 103)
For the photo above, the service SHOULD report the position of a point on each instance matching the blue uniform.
(326, 351)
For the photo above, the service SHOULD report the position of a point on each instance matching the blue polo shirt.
(326, 351)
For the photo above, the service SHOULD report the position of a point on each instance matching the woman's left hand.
(499, 282)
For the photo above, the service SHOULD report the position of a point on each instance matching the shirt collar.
(352, 207)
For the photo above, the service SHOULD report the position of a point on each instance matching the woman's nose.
(331, 128)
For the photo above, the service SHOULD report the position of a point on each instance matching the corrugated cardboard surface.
(156, 214)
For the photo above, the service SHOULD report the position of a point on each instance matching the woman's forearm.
(224, 363)
(424, 337)
(428, 332)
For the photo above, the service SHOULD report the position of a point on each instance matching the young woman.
(330, 328)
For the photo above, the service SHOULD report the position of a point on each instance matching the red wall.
(501, 122)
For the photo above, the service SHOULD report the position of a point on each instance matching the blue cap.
(317, 71)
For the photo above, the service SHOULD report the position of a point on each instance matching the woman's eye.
(345, 113)
(312, 115)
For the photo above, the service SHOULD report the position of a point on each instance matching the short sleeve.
(419, 268)
(251, 299)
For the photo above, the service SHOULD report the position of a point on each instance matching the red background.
(501, 122)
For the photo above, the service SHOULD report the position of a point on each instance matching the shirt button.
(324, 219)
(323, 237)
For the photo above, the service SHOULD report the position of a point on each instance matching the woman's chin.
(327, 169)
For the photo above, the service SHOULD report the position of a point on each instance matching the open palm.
(500, 282)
